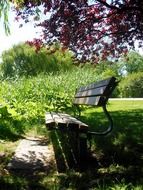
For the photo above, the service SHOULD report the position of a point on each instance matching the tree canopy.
(131, 63)
(22, 60)
(92, 29)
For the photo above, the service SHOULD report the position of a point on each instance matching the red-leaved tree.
(92, 29)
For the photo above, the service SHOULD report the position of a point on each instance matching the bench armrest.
(110, 127)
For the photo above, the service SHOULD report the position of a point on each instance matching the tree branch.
(108, 5)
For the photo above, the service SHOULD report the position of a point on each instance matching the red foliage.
(37, 43)
(93, 31)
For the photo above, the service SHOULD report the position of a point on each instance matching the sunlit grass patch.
(125, 105)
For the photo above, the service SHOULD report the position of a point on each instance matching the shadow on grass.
(122, 150)
(15, 181)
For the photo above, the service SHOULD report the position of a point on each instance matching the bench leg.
(78, 142)
(82, 147)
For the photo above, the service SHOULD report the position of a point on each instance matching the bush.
(11, 127)
(132, 86)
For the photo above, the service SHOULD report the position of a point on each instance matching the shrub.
(11, 127)
(132, 86)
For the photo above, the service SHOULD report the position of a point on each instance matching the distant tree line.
(23, 60)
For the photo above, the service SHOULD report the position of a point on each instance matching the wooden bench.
(95, 94)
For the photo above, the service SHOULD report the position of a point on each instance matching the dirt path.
(33, 154)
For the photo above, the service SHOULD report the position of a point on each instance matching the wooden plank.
(49, 121)
(91, 92)
(97, 84)
(58, 118)
(63, 120)
(48, 118)
(88, 100)
(72, 121)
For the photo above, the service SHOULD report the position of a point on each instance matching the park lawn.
(125, 105)
(119, 155)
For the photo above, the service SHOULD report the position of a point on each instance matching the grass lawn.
(119, 155)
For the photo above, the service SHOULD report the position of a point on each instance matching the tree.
(4, 8)
(92, 29)
(107, 69)
(133, 62)
(22, 60)
(132, 86)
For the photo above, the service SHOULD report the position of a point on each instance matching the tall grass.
(27, 99)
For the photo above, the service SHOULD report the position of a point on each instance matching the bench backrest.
(96, 93)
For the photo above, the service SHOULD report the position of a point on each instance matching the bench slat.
(91, 92)
(97, 84)
(88, 101)
(63, 120)
(48, 118)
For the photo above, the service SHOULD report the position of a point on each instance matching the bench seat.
(63, 121)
